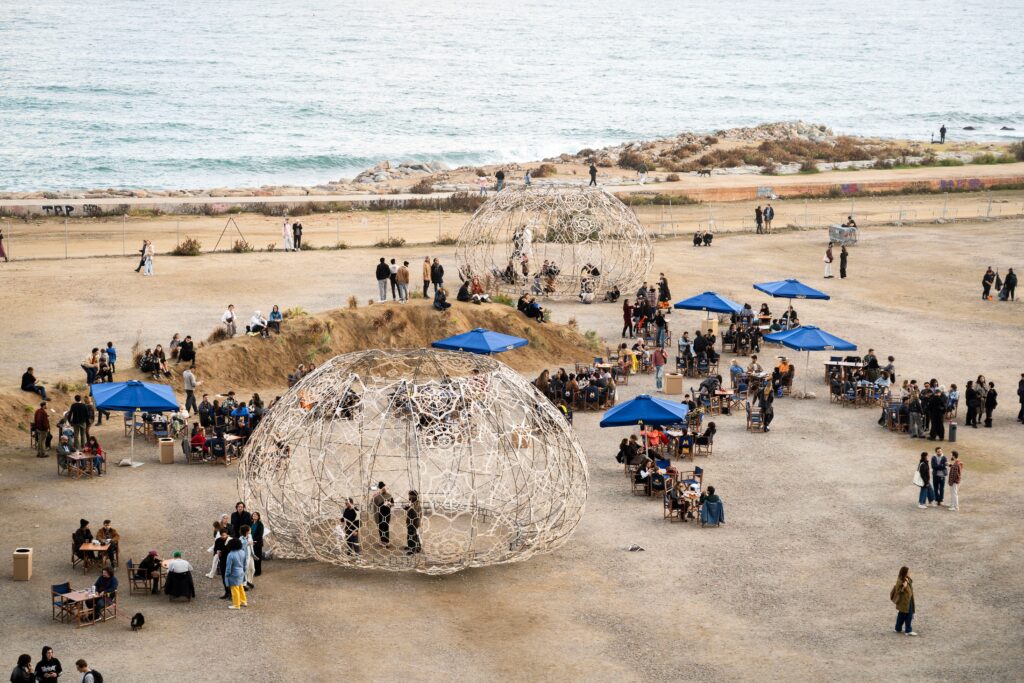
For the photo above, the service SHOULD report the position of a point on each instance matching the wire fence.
(80, 237)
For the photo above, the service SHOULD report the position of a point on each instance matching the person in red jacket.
(41, 426)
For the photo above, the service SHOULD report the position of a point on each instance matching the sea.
(167, 94)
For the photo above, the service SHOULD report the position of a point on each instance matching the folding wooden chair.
(754, 423)
(60, 608)
(705, 448)
(136, 583)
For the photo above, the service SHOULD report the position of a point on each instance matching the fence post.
(387, 212)
(806, 224)
(337, 230)
(988, 211)
(945, 201)
(439, 222)
(124, 251)
(65, 236)
(10, 239)
(177, 234)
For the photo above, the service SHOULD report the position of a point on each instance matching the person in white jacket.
(286, 235)
(257, 324)
(229, 318)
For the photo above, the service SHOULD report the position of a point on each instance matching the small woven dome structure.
(497, 472)
(593, 241)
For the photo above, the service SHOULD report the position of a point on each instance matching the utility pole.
(124, 251)
(65, 236)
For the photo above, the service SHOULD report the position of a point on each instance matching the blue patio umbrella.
(809, 338)
(131, 396)
(481, 341)
(710, 302)
(791, 289)
(645, 410)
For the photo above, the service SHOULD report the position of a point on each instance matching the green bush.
(544, 171)
(446, 240)
(306, 246)
(503, 299)
(242, 247)
(392, 243)
(189, 247)
(1017, 150)
(989, 158)
(808, 166)
(425, 186)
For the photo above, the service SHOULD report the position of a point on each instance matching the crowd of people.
(258, 325)
(1004, 287)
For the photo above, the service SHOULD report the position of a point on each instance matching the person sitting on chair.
(83, 535)
(679, 501)
(150, 568)
(708, 436)
(106, 590)
(108, 535)
(644, 474)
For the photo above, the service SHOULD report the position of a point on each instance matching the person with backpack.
(902, 595)
(88, 675)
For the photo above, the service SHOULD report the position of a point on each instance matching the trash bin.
(166, 451)
(22, 564)
(673, 383)
(952, 432)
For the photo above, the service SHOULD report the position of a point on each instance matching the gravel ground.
(821, 511)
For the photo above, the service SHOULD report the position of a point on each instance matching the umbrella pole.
(807, 370)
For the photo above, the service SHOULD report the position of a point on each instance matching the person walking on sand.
(142, 256)
(842, 262)
(828, 261)
(286, 235)
(942, 134)
(902, 595)
(593, 175)
(426, 275)
(759, 219)
(923, 480)
(769, 216)
(956, 474)
(383, 274)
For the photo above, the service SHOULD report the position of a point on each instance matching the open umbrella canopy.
(790, 289)
(709, 301)
(647, 410)
(810, 338)
(481, 341)
(127, 396)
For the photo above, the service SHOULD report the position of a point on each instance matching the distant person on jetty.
(426, 276)
(759, 219)
(593, 174)
(499, 176)
(828, 261)
(942, 134)
(286, 235)
(230, 321)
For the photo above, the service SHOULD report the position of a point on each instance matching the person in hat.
(83, 535)
(150, 568)
(382, 503)
(178, 565)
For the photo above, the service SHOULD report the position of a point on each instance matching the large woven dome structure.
(590, 240)
(497, 472)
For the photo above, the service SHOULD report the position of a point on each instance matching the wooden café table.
(77, 608)
(99, 548)
(80, 465)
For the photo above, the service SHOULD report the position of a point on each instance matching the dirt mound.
(250, 362)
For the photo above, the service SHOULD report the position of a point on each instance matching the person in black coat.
(936, 412)
(436, 275)
(843, 255)
(220, 549)
(990, 403)
(1020, 395)
(187, 351)
(986, 283)
(239, 518)
(972, 397)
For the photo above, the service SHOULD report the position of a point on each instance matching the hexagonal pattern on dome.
(479, 467)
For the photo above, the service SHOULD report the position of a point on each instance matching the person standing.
(142, 256)
(1020, 397)
(350, 519)
(924, 481)
(627, 322)
(383, 274)
(239, 518)
(767, 405)
(593, 175)
(828, 261)
(147, 258)
(436, 275)
(902, 595)
(234, 573)
(1009, 286)
(48, 668)
(426, 276)
(956, 473)
(393, 278)
(973, 399)
(990, 403)
(41, 426)
(499, 176)
(257, 530)
(229, 320)
(659, 359)
(942, 134)
(759, 219)
(769, 215)
(641, 172)
(22, 673)
(939, 471)
(842, 262)
(297, 236)
(527, 179)
(936, 408)
(661, 329)
(286, 235)
(402, 279)
(78, 418)
(3, 254)
(188, 379)
(413, 517)
(382, 503)
(986, 283)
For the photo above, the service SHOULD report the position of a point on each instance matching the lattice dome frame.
(577, 228)
(500, 475)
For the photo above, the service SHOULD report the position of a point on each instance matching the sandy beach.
(821, 511)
